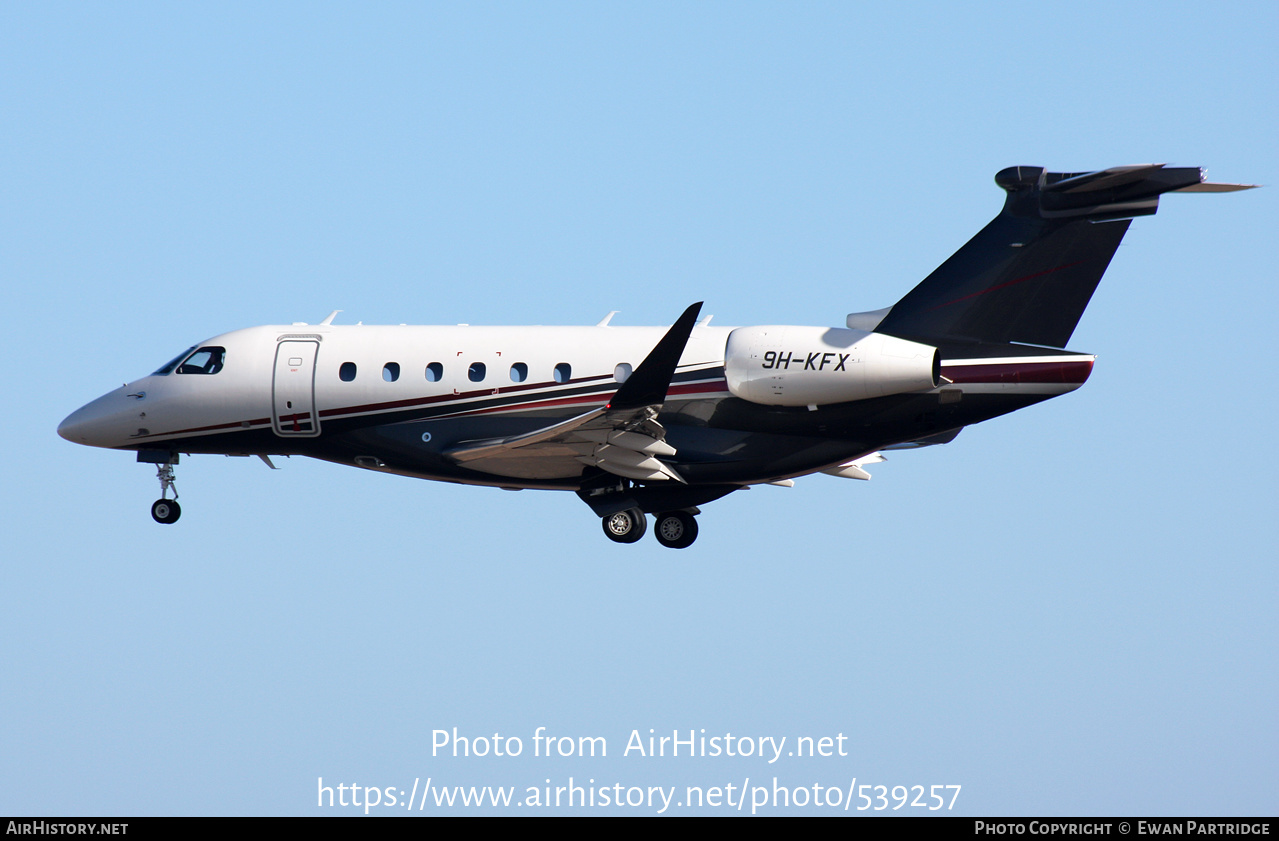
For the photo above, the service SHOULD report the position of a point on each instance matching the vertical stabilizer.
(1028, 275)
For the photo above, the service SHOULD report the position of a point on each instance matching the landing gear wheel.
(625, 526)
(166, 511)
(675, 529)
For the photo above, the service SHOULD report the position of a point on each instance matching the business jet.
(651, 420)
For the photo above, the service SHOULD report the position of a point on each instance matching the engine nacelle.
(818, 366)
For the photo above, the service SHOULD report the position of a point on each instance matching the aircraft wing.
(622, 438)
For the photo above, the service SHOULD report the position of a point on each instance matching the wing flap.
(631, 464)
(637, 441)
(855, 469)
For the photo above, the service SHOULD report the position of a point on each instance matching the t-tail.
(1027, 276)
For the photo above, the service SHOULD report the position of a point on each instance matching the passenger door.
(293, 390)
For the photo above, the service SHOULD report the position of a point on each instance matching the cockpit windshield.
(172, 363)
(206, 360)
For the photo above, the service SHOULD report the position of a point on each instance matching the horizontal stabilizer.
(1106, 179)
(1216, 187)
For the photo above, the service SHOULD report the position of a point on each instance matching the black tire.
(675, 529)
(166, 511)
(625, 526)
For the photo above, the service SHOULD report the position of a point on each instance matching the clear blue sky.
(1069, 610)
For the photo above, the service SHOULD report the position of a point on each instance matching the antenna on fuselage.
(326, 322)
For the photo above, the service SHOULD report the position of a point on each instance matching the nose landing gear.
(164, 510)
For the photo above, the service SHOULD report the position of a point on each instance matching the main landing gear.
(673, 529)
(165, 510)
(676, 529)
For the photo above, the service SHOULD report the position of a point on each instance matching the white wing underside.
(628, 443)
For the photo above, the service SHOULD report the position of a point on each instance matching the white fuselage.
(358, 371)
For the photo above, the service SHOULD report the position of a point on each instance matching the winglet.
(647, 385)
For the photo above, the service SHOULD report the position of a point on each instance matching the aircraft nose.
(101, 423)
(77, 426)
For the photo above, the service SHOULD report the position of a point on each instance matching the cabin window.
(476, 372)
(563, 372)
(206, 360)
(347, 372)
(434, 372)
(519, 372)
(173, 363)
(391, 371)
(622, 372)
